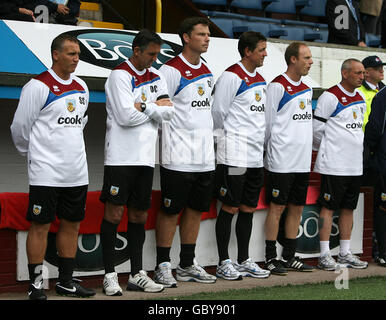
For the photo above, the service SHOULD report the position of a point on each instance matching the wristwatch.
(143, 107)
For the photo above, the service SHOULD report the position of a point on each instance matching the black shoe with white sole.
(73, 289)
(276, 267)
(36, 291)
(295, 264)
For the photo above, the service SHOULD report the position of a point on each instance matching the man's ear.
(55, 55)
(247, 52)
(186, 37)
(293, 59)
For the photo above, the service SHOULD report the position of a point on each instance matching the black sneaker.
(381, 262)
(73, 289)
(276, 267)
(295, 264)
(36, 291)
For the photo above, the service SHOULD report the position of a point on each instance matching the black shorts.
(339, 192)
(283, 188)
(186, 189)
(235, 186)
(66, 202)
(128, 185)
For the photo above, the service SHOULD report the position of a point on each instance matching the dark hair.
(249, 40)
(57, 43)
(188, 24)
(292, 51)
(144, 37)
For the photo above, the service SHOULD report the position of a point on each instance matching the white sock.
(324, 247)
(344, 247)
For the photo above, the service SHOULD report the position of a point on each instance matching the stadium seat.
(323, 30)
(315, 8)
(286, 6)
(212, 2)
(317, 32)
(251, 4)
(261, 27)
(226, 21)
(312, 35)
(270, 28)
(293, 32)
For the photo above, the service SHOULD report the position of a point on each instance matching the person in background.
(374, 75)
(372, 83)
(22, 10)
(344, 23)
(63, 14)
(370, 11)
(375, 141)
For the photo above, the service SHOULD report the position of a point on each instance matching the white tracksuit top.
(187, 139)
(338, 134)
(239, 117)
(48, 128)
(131, 135)
(288, 133)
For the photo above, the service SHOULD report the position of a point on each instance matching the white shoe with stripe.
(111, 285)
(141, 282)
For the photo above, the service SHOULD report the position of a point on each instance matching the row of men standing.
(246, 118)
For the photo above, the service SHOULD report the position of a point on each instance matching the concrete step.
(99, 24)
(91, 11)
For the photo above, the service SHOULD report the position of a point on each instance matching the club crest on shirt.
(302, 103)
(36, 209)
(70, 103)
(114, 190)
(143, 96)
(258, 96)
(327, 196)
(223, 191)
(167, 202)
(354, 114)
(275, 193)
(383, 196)
(200, 89)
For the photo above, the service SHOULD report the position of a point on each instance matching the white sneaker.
(227, 271)
(352, 261)
(111, 285)
(248, 268)
(194, 273)
(141, 282)
(327, 262)
(163, 275)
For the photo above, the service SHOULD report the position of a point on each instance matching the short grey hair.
(346, 65)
